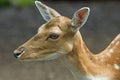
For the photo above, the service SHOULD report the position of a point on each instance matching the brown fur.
(72, 49)
(73, 46)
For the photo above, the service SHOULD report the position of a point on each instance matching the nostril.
(16, 55)
(18, 52)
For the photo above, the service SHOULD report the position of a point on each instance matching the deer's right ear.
(79, 18)
(46, 12)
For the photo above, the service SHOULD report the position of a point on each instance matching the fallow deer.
(60, 37)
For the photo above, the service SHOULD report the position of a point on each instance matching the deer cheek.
(67, 48)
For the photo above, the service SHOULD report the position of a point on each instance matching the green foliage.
(4, 3)
(22, 3)
(17, 3)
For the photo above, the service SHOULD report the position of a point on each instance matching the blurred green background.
(18, 3)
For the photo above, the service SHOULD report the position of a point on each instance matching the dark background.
(19, 23)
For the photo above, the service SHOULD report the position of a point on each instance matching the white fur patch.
(116, 66)
(111, 50)
(99, 78)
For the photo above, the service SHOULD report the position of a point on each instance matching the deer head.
(54, 38)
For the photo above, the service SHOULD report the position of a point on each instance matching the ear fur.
(79, 18)
(46, 12)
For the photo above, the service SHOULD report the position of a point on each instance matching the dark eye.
(53, 36)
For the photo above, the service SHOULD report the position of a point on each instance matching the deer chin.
(51, 56)
(33, 57)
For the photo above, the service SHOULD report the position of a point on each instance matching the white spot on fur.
(99, 78)
(116, 66)
(111, 50)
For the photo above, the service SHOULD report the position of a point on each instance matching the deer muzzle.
(18, 52)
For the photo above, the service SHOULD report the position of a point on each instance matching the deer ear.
(46, 12)
(79, 18)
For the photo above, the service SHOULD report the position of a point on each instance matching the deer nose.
(18, 52)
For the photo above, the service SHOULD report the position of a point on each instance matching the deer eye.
(53, 36)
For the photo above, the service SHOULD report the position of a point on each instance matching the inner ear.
(80, 17)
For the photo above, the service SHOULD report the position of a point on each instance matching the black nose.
(16, 55)
(18, 52)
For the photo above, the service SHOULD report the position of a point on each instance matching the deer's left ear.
(46, 12)
(79, 18)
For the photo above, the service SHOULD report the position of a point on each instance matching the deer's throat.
(77, 60)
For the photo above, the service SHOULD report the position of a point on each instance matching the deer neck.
(79, 59)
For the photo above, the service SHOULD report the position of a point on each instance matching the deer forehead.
(45, 29)
(56, 24)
